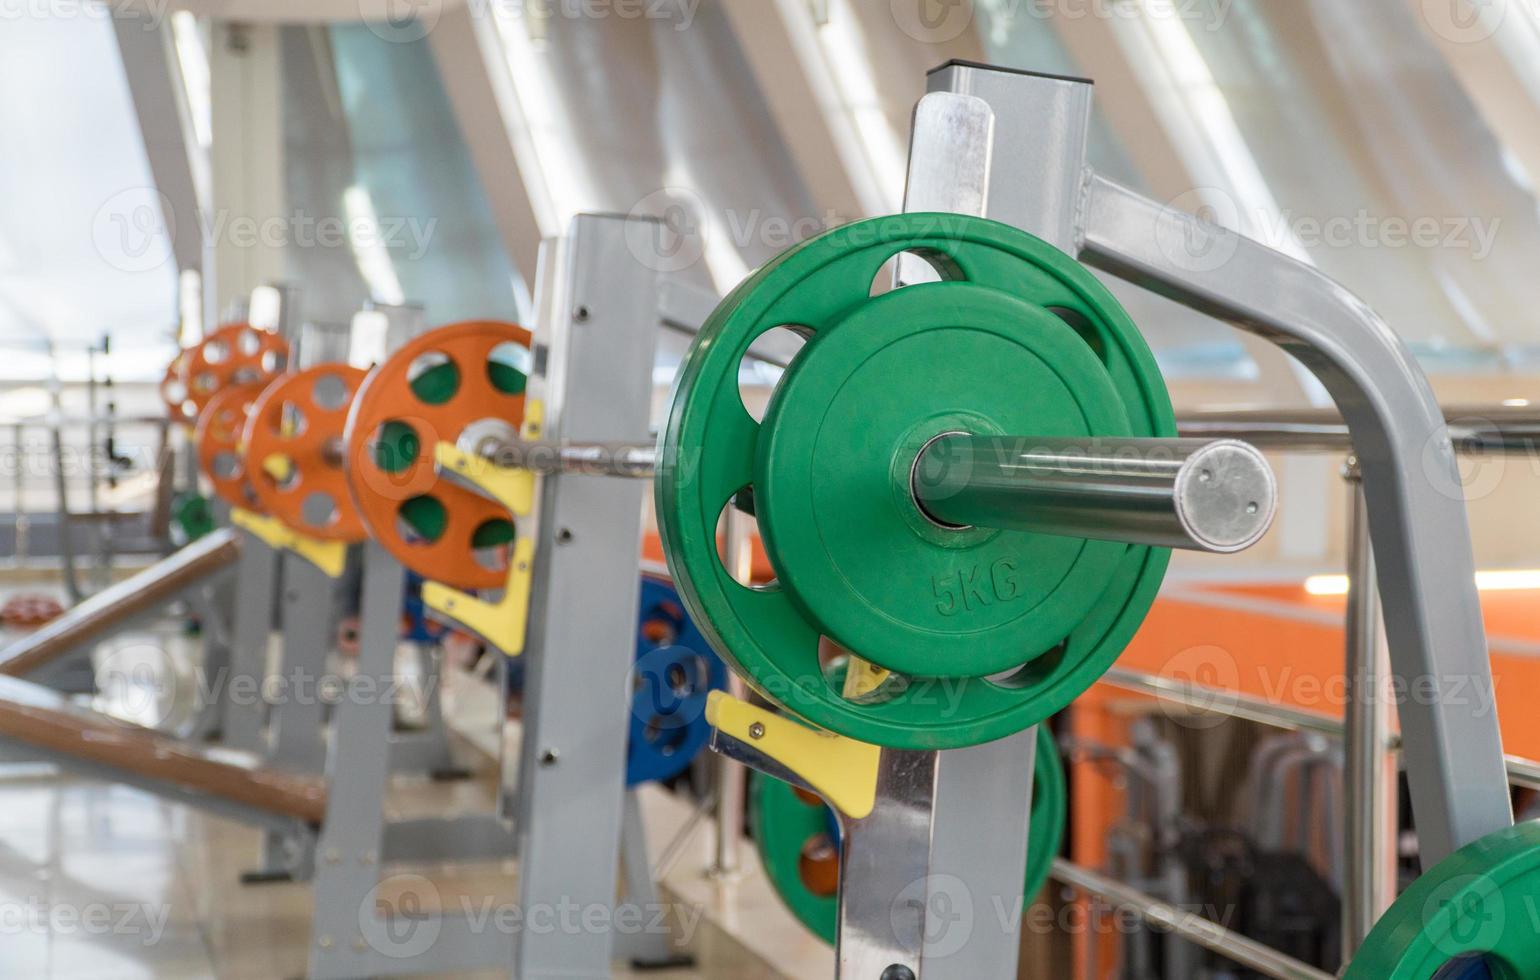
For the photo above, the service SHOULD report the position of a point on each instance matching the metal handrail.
(1189, 925)
(1233, 704)
(1473, 429)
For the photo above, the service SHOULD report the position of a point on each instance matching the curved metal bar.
(1416, 505)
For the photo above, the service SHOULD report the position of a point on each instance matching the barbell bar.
(1201, 495)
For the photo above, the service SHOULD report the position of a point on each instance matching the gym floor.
(105, 882)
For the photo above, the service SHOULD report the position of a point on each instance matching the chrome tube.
(1215, 496)
(1370, 776)
(1191, 926)
(1474, 430)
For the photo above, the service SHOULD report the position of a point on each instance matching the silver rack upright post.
(1371, 779)
(1416, 506)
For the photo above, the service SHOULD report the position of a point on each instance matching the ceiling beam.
(474, 71)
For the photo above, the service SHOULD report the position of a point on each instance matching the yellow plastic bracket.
(329, 556)
(863, 679)
(841, 770)
(501, 623)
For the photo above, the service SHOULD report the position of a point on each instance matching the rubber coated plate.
(235, 354)
(433, 389)
(221, 457)
(1472, 915)
(989, 632)
(675, 670)
(293, 451)
(798, 840)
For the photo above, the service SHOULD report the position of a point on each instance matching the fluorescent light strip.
(193, 59)
(369, 249)
(856, 77)
(1494, 580)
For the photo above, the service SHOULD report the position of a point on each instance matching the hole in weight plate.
(508, 367)
(490, 544)
(433, 377)
(330, 392)
(396, 445)
(913, 268)
(421, 519)
(737, 522)
(1082, 325)
(757, 379)
(319, 509)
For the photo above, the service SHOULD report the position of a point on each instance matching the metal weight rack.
(1411, 533)
(1011, 145)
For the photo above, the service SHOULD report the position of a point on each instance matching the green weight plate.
(832, 479)
(988, 631)
(793, 834)
(191, 517)
(1472, 910)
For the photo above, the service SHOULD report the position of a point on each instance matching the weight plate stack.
(465, 379)
(986, 632)
(235, 354)
(675, 670)
(798, 839)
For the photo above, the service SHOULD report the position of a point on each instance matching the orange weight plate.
(235, 354)
(218, 437)
(293, 451)
(173, 392)
(465, 377)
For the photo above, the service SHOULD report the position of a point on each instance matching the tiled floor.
(105, 882)
(102, 881)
